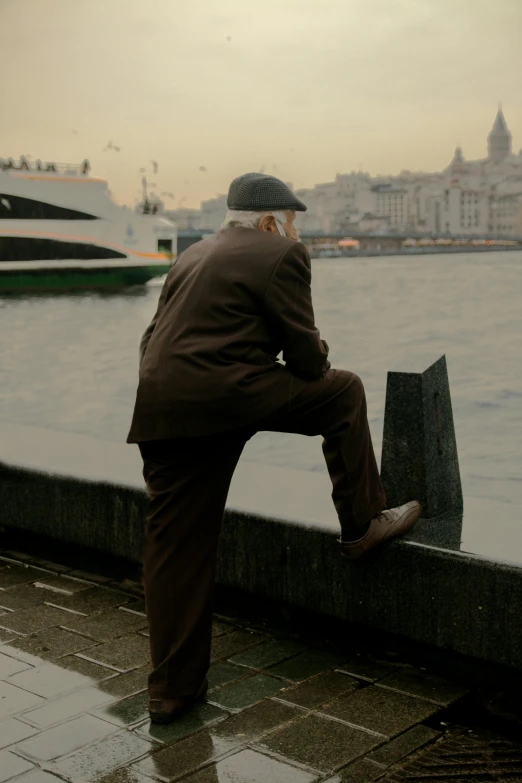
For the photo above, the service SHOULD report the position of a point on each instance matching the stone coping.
(489, 529)
(277, 543)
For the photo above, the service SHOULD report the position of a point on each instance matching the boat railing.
(70, 169)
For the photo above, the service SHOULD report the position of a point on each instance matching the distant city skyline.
(306, 90)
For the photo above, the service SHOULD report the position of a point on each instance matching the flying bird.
(75, 132)
(116, 149)
(229, 38)
(202, 168)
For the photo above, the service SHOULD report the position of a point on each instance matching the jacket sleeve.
(147, 334)
(288, 307)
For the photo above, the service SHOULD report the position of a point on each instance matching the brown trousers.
(188, 481)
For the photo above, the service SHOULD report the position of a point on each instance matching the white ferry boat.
(60, 229)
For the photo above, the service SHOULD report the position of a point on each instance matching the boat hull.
(53, 279)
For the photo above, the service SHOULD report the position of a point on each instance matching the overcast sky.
(305, 88)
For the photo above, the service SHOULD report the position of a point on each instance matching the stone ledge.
(278, 543)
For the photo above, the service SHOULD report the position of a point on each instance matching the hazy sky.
(310, 87)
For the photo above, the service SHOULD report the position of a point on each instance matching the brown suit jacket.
(229, 306)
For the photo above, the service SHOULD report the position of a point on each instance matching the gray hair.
(236, 218)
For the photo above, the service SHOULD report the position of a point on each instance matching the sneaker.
(388, 524)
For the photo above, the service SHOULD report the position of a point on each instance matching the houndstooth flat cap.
(261, 193)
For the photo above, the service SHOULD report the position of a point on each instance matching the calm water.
(69, 362)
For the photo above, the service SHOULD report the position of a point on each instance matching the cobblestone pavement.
(73, 705)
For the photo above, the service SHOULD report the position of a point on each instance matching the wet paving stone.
(124, 653)
(91, 601)
(268, 654)
(39, 776)
(404, 745)
(126, 684)
(6, 636)
(382, 711)
(77, 573)
(65, 738)
(305, 665)
(319, 743)
(125, 712)
(94, 671)
(92, 763)
(367, 669)
(14, 700)
(32, 620)
(18, 575)
(255, 721)
(125, 775)
(250, 766)
(66, 707)
(246, 692)
(136, 607)
(183, 757)
(231, 643)
(9, 666)
(55, 568)
(319, 690)
(218, 629)
(198, 717)
(107, 625)
(52, 643)
(223, 673)
(362, 771)
(61, 584)
(424, 686)
(13, 731)
(10, 555)
(49, 681)
(21, 597)
(127, 586)
(11, 765)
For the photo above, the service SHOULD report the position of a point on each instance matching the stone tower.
(499, 140)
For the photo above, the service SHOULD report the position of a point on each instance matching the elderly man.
(209, 379)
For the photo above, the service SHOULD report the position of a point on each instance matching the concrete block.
(419, 453)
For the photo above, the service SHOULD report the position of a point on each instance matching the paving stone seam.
(88, 637)
(360, 677)
(222, 685)
(66, 572)
(198, 768)
(25, 718)
(44, 766)
(129, 610)
(363, 729)
(291, 762)
(107, 665)
(440, 704)
(25, 564)
(116, 730)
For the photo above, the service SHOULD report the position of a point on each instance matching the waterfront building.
(468, 197)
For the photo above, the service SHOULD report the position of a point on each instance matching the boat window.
(36, 249)
(18, 208)
(164, 245)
